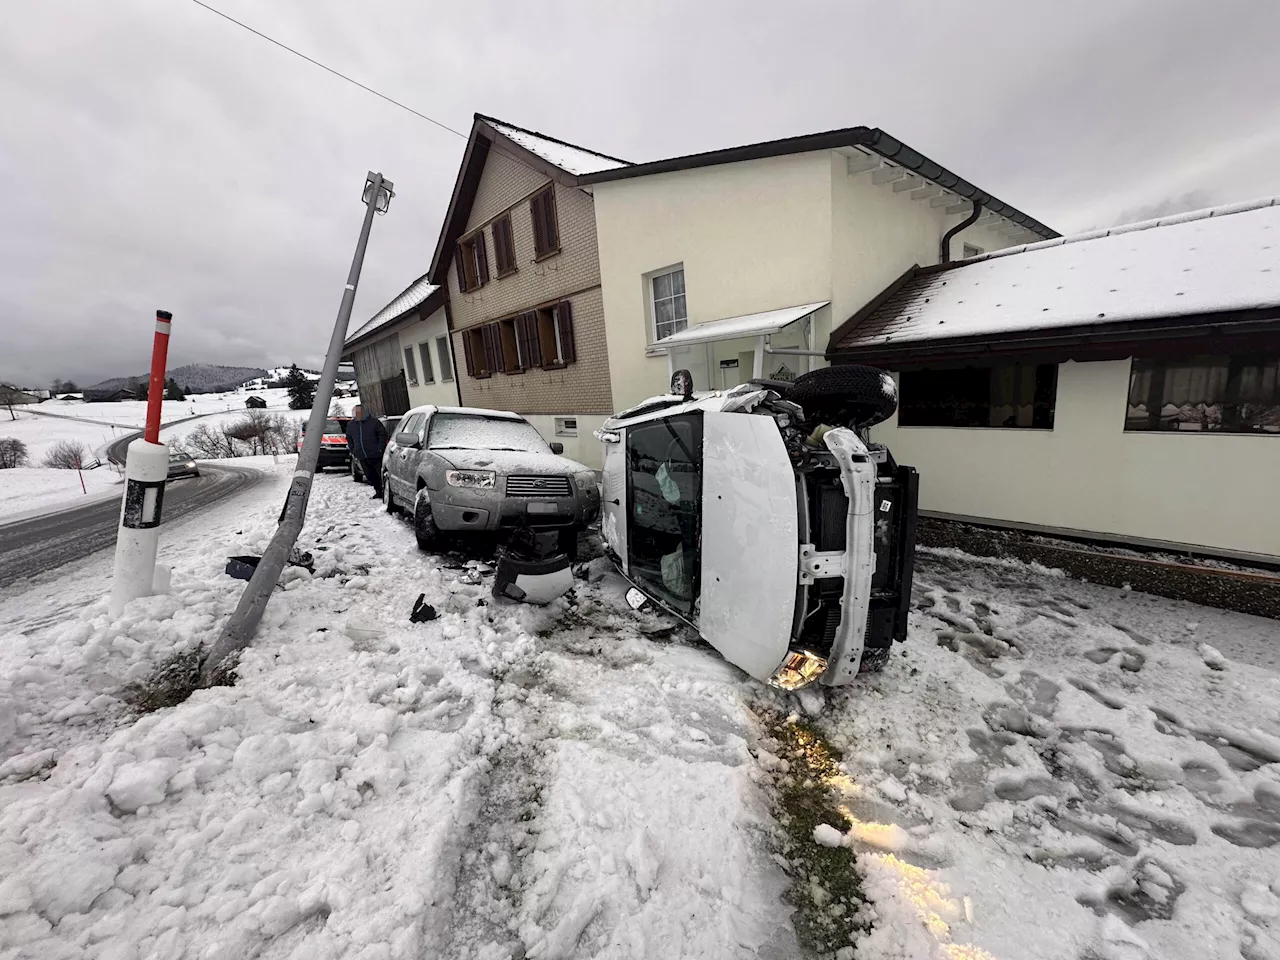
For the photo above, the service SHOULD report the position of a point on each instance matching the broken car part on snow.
(763, 517)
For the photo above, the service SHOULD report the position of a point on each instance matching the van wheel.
(387, 498)
(425, 530)
(874, 659)
(848, 395)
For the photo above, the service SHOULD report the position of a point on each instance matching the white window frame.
(678, 323)
(563, 428)
(424, 360)
(444, 360)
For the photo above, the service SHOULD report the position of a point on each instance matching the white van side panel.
(750, 541)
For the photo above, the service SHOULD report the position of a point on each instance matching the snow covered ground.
(1046, 769)
(30, 491)
(36, 489)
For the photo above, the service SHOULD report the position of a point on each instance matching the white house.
(734, 263)
(402, 355)
(1118, 385)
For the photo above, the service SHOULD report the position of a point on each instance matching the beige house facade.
(519, 258)
(822, 222)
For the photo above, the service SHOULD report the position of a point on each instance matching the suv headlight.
(469, 478)
(586, 480)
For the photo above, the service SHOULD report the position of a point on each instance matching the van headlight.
(586, 481)
(800, 669)
(469, 478)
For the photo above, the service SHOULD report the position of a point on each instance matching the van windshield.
(664, 490)
(460, 431)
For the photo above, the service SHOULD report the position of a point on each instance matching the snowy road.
(32, 547)
(1047, 769)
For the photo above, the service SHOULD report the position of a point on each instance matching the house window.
(992, 395)
(409, 370)
(566, 426)
(428, 375)
(1236, 393)
(504, 245)
(553, 333)
(477, 353)
(546, 228)
(670, 315)
(446, 362)
(538, 338)
(512, 358)
(472, 263)
(972, 251)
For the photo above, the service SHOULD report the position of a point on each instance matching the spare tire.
(849, 395)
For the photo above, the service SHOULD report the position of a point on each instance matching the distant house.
(255, 403)
(114, 395)
(72, 396)
(1056, 387)
(10, 395)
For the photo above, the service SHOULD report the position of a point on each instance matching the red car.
(333, 443)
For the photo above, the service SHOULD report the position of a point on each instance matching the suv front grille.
(539, 486)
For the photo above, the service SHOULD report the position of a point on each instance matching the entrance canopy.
(731, 328)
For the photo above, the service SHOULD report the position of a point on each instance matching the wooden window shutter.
(492, 347)
(564, 325)
(467, 354)
(550, 231)
(459, 262)
(482, 260)
(506, 247)
(535, 214)
(527, 338)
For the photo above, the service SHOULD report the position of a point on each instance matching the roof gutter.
(944, 247)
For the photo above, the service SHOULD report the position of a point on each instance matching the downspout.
(944, 248)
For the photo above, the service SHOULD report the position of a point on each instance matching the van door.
(750, 542)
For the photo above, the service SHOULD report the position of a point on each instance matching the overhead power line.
(336, 73)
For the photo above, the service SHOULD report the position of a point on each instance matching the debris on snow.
(827, 835)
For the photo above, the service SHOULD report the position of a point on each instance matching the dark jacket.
(366, 438)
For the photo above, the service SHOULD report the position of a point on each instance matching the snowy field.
(1047, 769)
(35, 489)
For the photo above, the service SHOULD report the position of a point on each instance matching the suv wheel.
(424, 527)
(387, 498)
(848, 395)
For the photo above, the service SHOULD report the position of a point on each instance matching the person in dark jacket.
(366, 440)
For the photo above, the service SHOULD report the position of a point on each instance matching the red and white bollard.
(146, 470)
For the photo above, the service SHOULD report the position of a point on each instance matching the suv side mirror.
(557, 448)
(409, 440)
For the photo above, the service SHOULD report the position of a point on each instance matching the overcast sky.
(153, 155)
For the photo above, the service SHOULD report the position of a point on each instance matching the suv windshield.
(664, 488)
(461, 431)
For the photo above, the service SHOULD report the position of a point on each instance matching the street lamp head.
(375, 184)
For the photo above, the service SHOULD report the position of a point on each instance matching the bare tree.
(66, 455)
(209, 444)
(337, 410)
(13, 453)
(288, 430)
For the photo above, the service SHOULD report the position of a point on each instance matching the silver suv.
(463, 469)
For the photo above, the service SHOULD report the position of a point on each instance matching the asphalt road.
(30, 547)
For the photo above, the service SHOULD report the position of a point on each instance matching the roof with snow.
(412, 296)
(567, 156)
(1190, 266)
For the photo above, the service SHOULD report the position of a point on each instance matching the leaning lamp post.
(243, 623)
